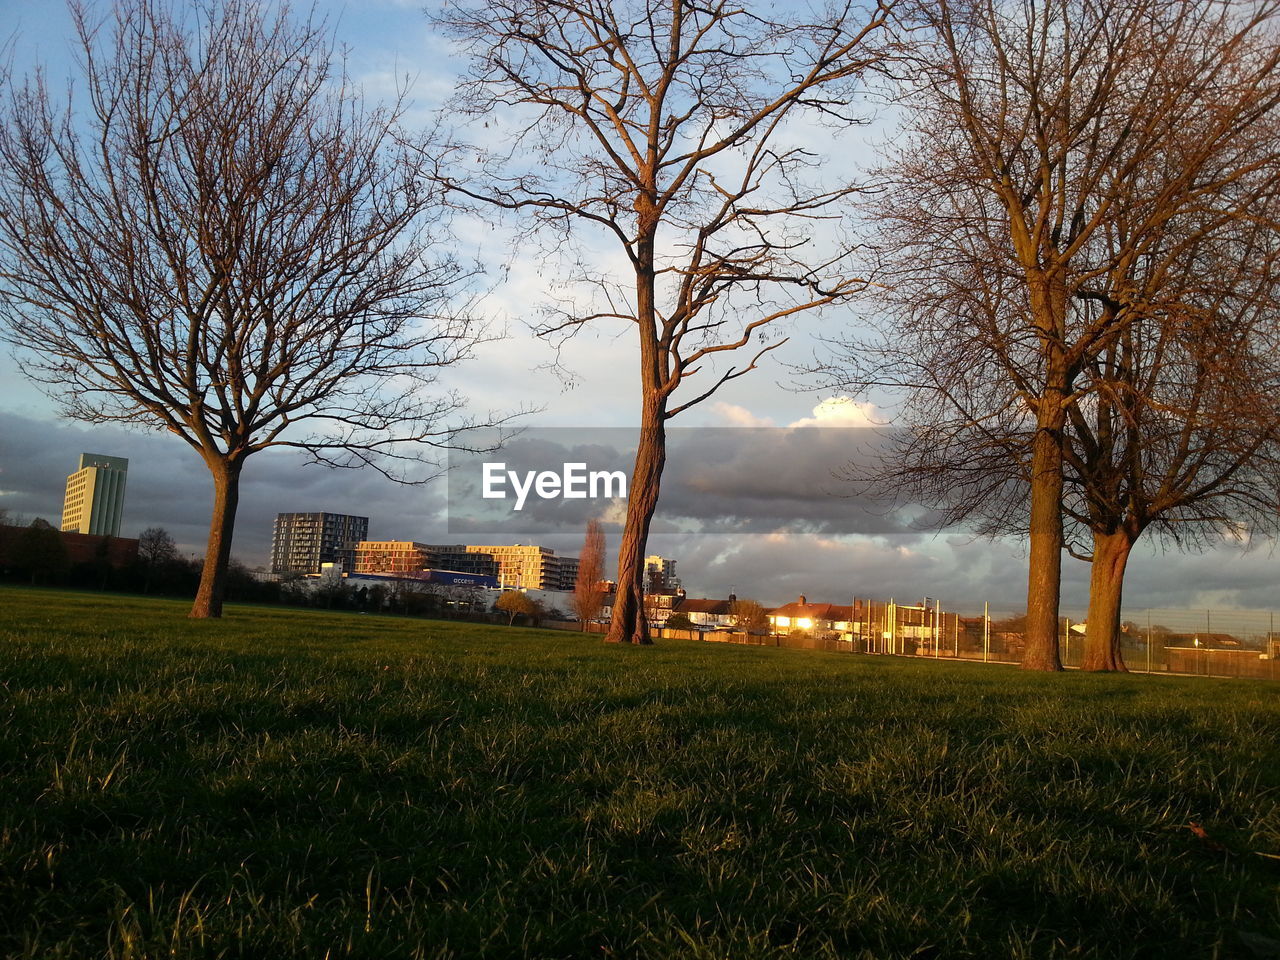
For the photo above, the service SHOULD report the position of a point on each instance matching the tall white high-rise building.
(95, 495)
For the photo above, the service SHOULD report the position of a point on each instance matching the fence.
(1220, 643)
(807, 642)
(1217, 643)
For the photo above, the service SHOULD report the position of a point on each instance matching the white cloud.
(733, 415)
(841, 411)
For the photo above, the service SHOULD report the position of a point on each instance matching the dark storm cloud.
(717, 480)
(963, 573)
(777, 568)
(1228, 576)
(169, 486)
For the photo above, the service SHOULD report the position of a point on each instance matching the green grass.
(287, 783)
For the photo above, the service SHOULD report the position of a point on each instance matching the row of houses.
(918, 629)
(881, 623)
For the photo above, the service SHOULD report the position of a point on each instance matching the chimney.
(733, 598)
(802, 601)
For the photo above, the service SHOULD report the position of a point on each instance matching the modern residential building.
(564, 572)
(304, 541)
(390, 556)
(458, 558)
(518, 565)
(660, 575)
(409, 556)
(94, 502)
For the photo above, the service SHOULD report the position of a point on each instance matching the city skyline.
(773, 569)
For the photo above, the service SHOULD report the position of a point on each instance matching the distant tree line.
(36, 554)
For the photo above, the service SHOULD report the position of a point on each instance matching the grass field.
(285, 783)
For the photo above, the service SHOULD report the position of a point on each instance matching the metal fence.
(1220, 643)
(1217, 643)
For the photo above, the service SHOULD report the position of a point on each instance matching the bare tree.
(667, 128)
(225, 243)
(749, 615)
(156, 552)
(1179, 433)
(1049, 146)
(588, 591)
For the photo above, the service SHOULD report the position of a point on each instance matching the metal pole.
(937, 623)
(986, 631)
(892, 629)
(1148, 641)
(1067, 638)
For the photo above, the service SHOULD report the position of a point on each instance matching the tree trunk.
(1045, 569)
(1044, 574)
(213, 578)
(629, 623)
(1106, 583)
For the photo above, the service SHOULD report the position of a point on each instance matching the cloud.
(843, 411)
(169, 486)
(778, 568)
(743, 480)
(733, 415)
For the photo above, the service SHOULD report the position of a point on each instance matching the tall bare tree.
(217, 238)
(588, 593)
(1049, 146)
(1179, 432)
(671, 130)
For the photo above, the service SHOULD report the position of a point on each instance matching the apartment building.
(301, 542)
(660, 575)
(94, 501)
(513, 566)
(390, 556)
(517, 565)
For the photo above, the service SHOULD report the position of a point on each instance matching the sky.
(169, 486)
